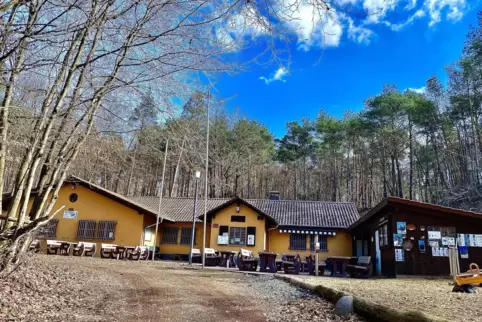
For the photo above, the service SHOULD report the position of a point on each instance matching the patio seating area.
(269, 262)
(79, 249)
(243, 259)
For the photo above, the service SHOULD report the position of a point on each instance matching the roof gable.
(115, 196)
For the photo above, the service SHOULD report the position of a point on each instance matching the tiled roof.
(285, 212)
(179, 209)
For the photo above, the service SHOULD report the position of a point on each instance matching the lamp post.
(197, 175)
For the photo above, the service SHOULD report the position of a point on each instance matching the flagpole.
(206, 183)
(160, 199)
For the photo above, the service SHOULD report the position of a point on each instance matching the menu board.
(399, 255)
(469, 240)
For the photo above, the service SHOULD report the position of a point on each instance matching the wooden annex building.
(406, 237)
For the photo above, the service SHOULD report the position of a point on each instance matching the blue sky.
(404, 43)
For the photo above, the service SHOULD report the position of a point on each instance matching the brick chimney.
(274, 195)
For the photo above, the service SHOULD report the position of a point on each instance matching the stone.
(344, 306)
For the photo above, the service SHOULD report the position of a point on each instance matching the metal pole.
(193, 222)
(160, 200)
(206, 184)
(316, 255)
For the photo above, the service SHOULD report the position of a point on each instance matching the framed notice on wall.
(71, 214)
(250, 240)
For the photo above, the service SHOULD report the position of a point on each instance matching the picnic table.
(129, 250)
(227, 258)
(338, 265)
(267, 262)
(58, 247)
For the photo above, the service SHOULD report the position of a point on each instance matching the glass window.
(322, 239)
(383, 235)
(297, 241)
(237, 235)
(148, 234)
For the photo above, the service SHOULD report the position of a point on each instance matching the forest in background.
(423, 146)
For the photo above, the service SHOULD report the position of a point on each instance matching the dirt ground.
(431, 296)
(54, 288)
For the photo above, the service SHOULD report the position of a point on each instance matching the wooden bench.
(196, 255)
(84, 249)
(35, 246)
(291, 266)
(107, 250)
(211, 258)
(246, 260)
(139, 253)
(362, 269)
(310, 263)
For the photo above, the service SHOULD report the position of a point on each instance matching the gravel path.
(431, 296)
(54, 288)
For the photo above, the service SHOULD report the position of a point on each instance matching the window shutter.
(49, 230)
(86, 229)
(251, 240)
(106, 230)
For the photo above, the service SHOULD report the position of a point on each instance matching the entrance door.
(378, 254)
(359, 248)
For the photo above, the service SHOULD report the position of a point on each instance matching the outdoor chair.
(84, 249)
(119, 252)
(246, 260)
(310, 263)
(292, 266)
(139, 253)
(211, 258)
(196, 255)
(362, 269)
(35, 246)
(107, 250)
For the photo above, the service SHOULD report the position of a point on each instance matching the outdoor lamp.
(197, 174)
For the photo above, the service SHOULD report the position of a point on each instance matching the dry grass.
(431, 296)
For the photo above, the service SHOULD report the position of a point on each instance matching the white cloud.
(400, 26)
(420, 90)
(358, 34)
(378, 9)
(312, 28)
(411, 4)
(278, 76)
(435, 9)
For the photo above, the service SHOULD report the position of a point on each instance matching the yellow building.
(95, 214)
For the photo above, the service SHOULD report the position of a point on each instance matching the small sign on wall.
(71, 214)
(250, 240)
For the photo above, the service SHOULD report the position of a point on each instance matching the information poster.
(251, 240)
(402, 227)
(472, 242)
(223, 239)
(446, 252)
(71, 214)
(478, 240)
(421, 246)
(397, 240)
(434, 235)
(461, 239)
(399, 255)
(464, 252)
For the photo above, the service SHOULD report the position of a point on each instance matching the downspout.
(269, 236)
(160, 222)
